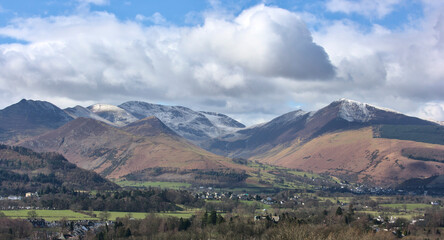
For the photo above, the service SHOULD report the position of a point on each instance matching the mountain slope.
(357, 156)
(353, 140)
(79, 111)
(250, 141)
(194, 126)
(23, 170)
(118, 116)
(114, 153)
(149, 127)
(299, 127)
(30, 118)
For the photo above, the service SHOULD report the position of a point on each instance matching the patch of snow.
(114, 114)
(79, 111)
(353, 111)
(288, 117)
(195, 126)
(223, 123)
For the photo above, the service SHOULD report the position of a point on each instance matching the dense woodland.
(23, 170)
(219, 178)
(419, 133)
(147, 200)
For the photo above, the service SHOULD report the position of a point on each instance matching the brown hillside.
(356, 155)
(148, 127)
(114, 153)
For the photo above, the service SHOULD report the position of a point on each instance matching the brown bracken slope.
(115, 152)
(358, 156)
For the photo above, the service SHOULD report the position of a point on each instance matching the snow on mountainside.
(288, 117)
(192, 125)
(353, 111)
(112, 113)
(79, 111)
(223, 121)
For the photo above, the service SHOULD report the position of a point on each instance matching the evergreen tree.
(212, 218)
(128, 232)
(339, 211)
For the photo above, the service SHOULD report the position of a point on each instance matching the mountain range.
(141, 146)
(192, 125)
(355, 141)
(195, 126)
(300, 126)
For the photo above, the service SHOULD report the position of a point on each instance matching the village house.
(30, 194)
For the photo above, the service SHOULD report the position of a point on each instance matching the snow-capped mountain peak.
(192, 125)
(79, 111)
(114, 114)
(222, 120)
(354, 111)
(100, 107)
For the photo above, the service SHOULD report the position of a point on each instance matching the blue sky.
(179, 12)
(250, 59)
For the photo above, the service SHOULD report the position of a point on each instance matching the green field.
(399, 210)
(49, 215)
(304, 174)
(139, 215)
(279, 177)
(408, 216)
(335, 199)
(172, 185)
(407, 206)
(54, 215)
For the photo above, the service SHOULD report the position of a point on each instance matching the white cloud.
(432, 110)
(228, 64)
(248, 66)
(85, 5)
(368, 8)
(263, 40)
(398, 69)
(156, 18)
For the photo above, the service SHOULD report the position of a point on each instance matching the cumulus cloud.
(432, 110)
(96, 57)
(399, 69)
(249, 65)
(369, 8)
(156, 18)
(264, 41)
